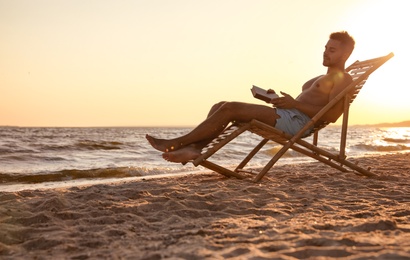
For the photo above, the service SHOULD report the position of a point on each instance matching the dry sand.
(307, 211)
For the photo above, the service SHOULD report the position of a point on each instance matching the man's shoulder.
(348, 77)
(312, 80)
(341, 81)
(345, 78)
(339, 77)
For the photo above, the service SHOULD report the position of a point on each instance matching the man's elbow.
(331, 118)
(333, 114)
(328, 119)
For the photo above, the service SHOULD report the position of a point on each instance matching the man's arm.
(337, 110)
(310, 110)
(287, 101)
(334, 86)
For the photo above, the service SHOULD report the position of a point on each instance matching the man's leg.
(191, 151)
(216, 123)
(157, 143)
(215, 108)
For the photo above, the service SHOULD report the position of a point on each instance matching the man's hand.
(287, 101)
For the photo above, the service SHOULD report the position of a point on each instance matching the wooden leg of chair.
(357, 168)
(272, 162)
(215, 146)
(251, 154)
(221, 170)
(317, 156)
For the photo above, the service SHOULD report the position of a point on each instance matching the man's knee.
(230, 107)
(218, 105)
(227, 107)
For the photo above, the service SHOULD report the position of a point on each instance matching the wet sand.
(305, 211)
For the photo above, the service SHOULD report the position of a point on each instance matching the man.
(287, 114)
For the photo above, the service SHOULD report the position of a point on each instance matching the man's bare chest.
(322, 86)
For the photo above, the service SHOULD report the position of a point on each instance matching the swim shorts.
(291, 121)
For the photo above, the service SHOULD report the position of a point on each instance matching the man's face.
(333, 54)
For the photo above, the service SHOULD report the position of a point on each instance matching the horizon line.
(405, 123)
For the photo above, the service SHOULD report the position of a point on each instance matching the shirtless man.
(287, 114)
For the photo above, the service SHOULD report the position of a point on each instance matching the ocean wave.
(82, 145)
(57, 154)
(397, 140)
(98, 145)
(380, 148)
(41, 147)
(31, 157)
(66, 175)
(15, 149)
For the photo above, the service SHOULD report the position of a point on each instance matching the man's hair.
(345, 38)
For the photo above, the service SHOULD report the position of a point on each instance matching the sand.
(306, 211)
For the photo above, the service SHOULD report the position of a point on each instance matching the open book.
(263, 94)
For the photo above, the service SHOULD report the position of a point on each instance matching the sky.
(165, 63)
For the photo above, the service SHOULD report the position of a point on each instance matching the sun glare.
(376, 28)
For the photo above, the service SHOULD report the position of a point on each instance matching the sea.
(42, 157)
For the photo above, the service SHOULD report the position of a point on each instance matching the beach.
(298, 211)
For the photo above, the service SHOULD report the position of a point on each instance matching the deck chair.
(359, 70)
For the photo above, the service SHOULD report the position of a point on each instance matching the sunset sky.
(164, 63)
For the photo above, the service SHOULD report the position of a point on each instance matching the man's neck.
(334, 69)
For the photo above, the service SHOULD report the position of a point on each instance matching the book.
(263, 94)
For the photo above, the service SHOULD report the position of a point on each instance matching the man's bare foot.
(182, 155)
(162, 145)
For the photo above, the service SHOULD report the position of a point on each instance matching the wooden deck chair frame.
(359, 70)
